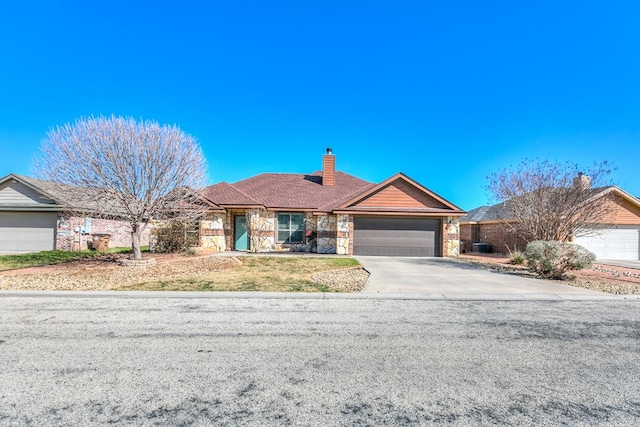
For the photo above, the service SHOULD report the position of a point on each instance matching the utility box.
(101, 242)
(481, 248)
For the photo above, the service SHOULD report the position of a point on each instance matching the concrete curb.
(314, 295)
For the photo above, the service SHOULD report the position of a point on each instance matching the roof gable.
(15, 191)
(626, 208)
(400, 192)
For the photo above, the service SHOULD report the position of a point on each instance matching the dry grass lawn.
(257, 273)
(17, 261)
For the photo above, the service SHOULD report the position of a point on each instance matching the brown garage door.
(396, 236)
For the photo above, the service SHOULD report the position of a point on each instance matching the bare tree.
(120, 167)
(545, 200)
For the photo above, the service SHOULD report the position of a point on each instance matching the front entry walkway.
(449, 278)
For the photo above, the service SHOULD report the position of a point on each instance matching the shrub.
(517, 258)
(190, 252)
(553, 259)
(176, 236)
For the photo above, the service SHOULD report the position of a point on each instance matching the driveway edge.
(312, 295)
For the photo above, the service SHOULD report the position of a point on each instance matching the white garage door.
(27, 231)
(613, 243)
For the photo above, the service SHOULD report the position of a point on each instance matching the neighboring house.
(615, 237)
(343, 213)
(33, 218)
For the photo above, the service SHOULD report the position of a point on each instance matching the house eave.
(398, 213)
(488, 221)
(31, 208)
(240, 206)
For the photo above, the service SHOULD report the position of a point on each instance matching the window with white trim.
(290, 227)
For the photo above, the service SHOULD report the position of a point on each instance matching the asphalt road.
(129, 361)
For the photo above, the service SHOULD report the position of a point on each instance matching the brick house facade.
(33, 219)
(75, 233)
(497, 234)
(620, 229)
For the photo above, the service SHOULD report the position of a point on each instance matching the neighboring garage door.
(27, 231)
(613, 243)
(396, 236)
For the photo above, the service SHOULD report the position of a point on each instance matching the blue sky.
(446, 92)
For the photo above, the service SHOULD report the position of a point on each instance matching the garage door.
(613, 243)
(396, 236)
(27, 231)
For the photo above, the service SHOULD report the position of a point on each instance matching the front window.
(290, 227)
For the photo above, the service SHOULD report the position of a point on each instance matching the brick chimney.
(582, 181)
(329, 168)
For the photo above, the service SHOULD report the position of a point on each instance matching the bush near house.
(176, 236)
(553, 259)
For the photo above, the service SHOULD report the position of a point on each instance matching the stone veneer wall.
(262, 237)
(451, 233)
(327, 227)
(67, 239)
(212, 237)
(344, 231)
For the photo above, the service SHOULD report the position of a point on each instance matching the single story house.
(616, 236)
(340, 213)
(328, 212)
(32, 219)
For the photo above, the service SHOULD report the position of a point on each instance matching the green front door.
(240, 233)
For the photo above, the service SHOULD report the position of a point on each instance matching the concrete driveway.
(449, 278)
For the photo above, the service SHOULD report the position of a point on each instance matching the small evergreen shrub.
(190, 252)
(552, 259)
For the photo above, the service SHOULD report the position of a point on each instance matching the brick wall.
(67, 239)
(497, 235)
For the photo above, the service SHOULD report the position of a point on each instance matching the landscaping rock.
(603, 278)
(346, 279)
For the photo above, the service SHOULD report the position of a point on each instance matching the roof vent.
(329, 150)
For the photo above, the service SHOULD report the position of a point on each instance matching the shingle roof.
(71, 198)
(43, 186)
(293, 191)
(225, 194)
(500, 210)
(486, 213)
(83, 199)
